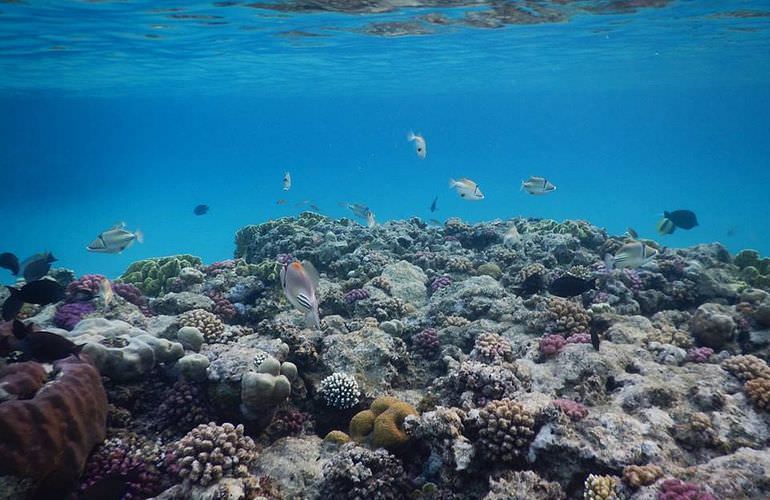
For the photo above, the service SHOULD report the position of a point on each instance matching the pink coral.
(674, 489)
(551, 344)
(85, 288)
(573, 409)
(427, 342)
(699, 354)
(579, 338)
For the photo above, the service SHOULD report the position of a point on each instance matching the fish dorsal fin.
(119, 225)
(312, 272)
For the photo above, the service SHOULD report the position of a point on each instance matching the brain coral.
(382, 425)
(48, 438)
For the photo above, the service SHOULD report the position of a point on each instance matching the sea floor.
(446, 366)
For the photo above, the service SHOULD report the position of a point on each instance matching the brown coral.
(382, 283)
(758, 390)
(505, 428)
(492, 348)
(747, 367)
(456, 321)
(21, 380)
(48, 438)
(210, 452)
(211, 326)
(637, 476)
(567, 317)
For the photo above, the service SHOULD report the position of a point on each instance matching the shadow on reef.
(443, 369)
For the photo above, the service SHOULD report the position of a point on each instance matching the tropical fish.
(419, 144)
(315, 207)
(44, 347)
(281, 202)
(201, 209)
(512, 236)
(467, 189)
(358, 210)
(435, 222)
(684, 219)
(370, 221)
(632, 254)
(41, 292)
(571, 286)
(37, 266)
(115, 240)
(433, 205)
(631, 232)
(9, 261)
(299, 282)
(666, 226)
(105, 292)
(537, 185)
(286, 181)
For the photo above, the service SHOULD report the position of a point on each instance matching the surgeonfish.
(433, 205)
(41, 292)
(683, 219)
(286, 181)
(201, 209)
(419, 144)
(633, 254)
(537, 185)
(44, 347)
(569, 285)
(666, 226)
(299, 281)
(10, 261)
(467, 189)
(115, 240)
(37, 266)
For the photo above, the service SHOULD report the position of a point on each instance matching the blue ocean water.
(124, 111)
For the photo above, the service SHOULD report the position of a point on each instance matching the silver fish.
(299, 281)
(105, 292)
(115, 240)
(467, 189)
(633, 254)
(537, 185)
(419, 144)
(370, 220)
(286, 181)
(358, 210)
(512, 236)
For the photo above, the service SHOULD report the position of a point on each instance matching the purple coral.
(441, 282)
(132, 294)
(222, 307)
(551, 344)
(632, 279)
(69, 315)
(220, 267)
(85, 288)
(426, 342)
(674, 489)
(579, 338)
(699, 354)
(573, 409)
(355, 295)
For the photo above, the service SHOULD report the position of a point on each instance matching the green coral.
(754, 270)
(268, 270)
(490, 269)
(152, 276)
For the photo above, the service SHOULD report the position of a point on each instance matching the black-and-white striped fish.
(633, 254)
(537, 185)
(299, 281)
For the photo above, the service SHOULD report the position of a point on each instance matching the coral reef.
(381, 426)
(340, 390)
(211, 326)
(356, 472)
(504, 429)
(155, 277)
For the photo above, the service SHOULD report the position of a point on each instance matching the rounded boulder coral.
(382, 425)
(210, 452)
(491, 348)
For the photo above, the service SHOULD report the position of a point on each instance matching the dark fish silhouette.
(201, 210)
(571, 286)
(43, 347)
(433, 205)
(111, 487)
(41, 292)
(531, 285)
(9, 261)
(684, 219)
(597, 326)
(37, 266)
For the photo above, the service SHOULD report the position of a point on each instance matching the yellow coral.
(337, 437)
(641, 475)
(599, 488)
(382, 424)
(747, 367)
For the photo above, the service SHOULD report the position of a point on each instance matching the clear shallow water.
(116, 111)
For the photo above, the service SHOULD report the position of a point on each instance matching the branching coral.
(356, 473)
(504, 429)
(599, 488)
(340, 390)
(573, 409)
(211, 326)
(426, 342)
(758, 391)
(210, 452)
(747, 367)
(491, 348)
(674, 489)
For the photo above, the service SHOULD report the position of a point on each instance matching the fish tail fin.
(609, 262)
(139, 236)
(13, 291)
(452, 183)
(410, 136)
(522, 186)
